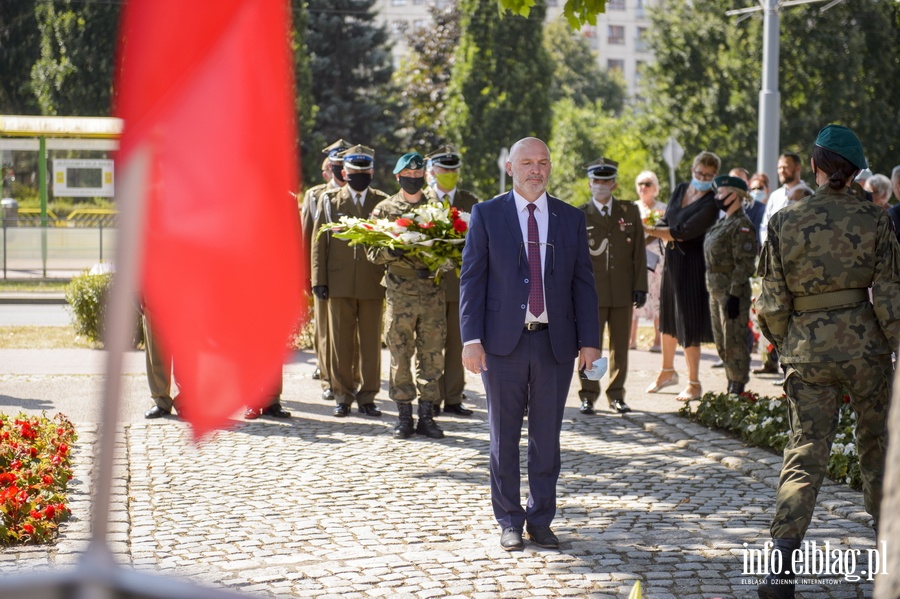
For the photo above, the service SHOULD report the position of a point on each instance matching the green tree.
(73, 75)
(351, 67)
(576, 73)
(582, 134)
(306, 108)
(19, 49)
(423, 77)
(499, 87)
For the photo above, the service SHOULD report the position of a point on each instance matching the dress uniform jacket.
(308, 212)
(618, 253)
(335, 263)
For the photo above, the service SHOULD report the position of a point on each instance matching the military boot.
(781, 585)
(735, 388)
(404, 428)
(427, 426)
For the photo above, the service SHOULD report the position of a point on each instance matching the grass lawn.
(41, 337)
(26, 286)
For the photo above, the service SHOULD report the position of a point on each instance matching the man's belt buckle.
(536, 326)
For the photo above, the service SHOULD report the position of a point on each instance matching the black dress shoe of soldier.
(619, 406)
(276, 411)
(156, 412)
(457, 408)
(542, 536)
(341, 410)
(511, 539)
(369, 409)
(328, 395)
(587, 406)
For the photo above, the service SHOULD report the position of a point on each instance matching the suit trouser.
(453, 380)
(355, 330)
(159, 370)
(529, 374)
(619, 322)
(322, 341)
(815, 393)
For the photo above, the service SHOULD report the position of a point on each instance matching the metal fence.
(55, 251)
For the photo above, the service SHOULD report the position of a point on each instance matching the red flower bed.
(34, 473)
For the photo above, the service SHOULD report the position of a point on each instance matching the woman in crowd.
(684, 302)
(648, 189)
(730, 249)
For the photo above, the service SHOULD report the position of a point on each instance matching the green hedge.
(86, 294)
(763, 421)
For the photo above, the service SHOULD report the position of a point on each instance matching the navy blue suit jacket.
(493, 288)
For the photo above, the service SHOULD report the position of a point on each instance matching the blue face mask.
(701, 185)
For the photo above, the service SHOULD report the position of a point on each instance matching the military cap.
(729, 181)
(602, 169)
(358, 158)
(411, 160)
(843, 142)
(333, 151)
(445, 157)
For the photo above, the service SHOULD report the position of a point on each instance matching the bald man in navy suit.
(528, 309)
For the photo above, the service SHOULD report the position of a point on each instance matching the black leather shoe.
(156, 412)
(341, 410)
(328, 395)
(542, 536)
(587, 406)
(619, 406)
(436, 410)
(251, 414)
(276, 411)
(457, 408)
(511, 539)
(317, 374)
(369, 409)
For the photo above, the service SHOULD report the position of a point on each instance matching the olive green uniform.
(355, 298)
(308, 214)
(415, 320)
(159, 370)
(453, 382)
(822, 259)
(730, 248)
(619, 258)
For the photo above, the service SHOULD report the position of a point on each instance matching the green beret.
(843, 142)
(729, 181)
(411, 160)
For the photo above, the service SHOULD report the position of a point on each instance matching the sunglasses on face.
(645, 184)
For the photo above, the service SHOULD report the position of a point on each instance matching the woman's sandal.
(672, 380)
(687, 394)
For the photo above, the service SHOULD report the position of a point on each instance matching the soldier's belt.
(411, 273)
(830, 299)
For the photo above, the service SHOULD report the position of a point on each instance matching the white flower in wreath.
(410, 237)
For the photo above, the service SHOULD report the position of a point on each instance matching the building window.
(418, 2)
(616, 64)
(399, 26)
(398, 2)
(616, 35)
(641, 41)
(420, 23)
(615, 4)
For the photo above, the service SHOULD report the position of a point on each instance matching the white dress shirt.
(542, 217)
(778, 199)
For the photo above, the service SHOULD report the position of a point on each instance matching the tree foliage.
(19, 49)
(840, 66)
(576, 74)
(306, 107)
(576, 12)
(498, 91)
(351, 68)
(423, 78)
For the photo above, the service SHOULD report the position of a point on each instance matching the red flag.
(207, 88)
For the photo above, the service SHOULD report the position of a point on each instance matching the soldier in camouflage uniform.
(821, 260)
(415, 322)
(730, 249)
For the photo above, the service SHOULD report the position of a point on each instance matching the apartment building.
(618, 38)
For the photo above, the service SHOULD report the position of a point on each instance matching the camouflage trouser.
(815, 394)
(415, 324)
(730, 335)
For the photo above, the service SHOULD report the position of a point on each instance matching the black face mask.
(720, 204)
(336, 171)
(412, 185)
(359, 181)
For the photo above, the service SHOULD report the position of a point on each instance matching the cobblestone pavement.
(324, 507)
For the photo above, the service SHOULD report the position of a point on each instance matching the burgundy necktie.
(536, 291)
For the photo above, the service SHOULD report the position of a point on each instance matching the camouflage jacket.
(730, 249)
(830, 242)
(398, 276)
